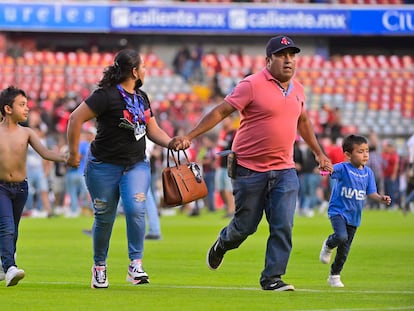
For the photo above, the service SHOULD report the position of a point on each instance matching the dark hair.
(7, 97)
(121, 70)
(351, 140)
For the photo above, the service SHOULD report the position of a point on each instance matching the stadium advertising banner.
(248, 19)
(54, 17)
(237, 19)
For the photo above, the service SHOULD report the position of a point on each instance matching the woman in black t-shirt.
(117, 166)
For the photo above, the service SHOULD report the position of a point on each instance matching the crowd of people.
(52, 191)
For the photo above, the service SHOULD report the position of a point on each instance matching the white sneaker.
(70, 214)
(335, 281)
(136, 274)
(99, 278)
(59, 210)
(13, 276)
(323, 207)
(325, 254)
(2, 274)
(38, 214)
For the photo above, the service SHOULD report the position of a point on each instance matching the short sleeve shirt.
(268, 124)
(114, 143)
(352, 185)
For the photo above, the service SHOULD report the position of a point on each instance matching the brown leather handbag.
(182, 183)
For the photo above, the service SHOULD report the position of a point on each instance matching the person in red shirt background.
(390, 171)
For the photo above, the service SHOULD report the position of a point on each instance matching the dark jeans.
(272, 192)
(391, 188)
(13, 196)
(342, 239)
(209, 178)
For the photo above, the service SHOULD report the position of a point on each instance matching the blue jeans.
(13, 197)
(107, 183)
(76, 188)
(410, 197)
(272, 192)
(209, 179)
(309, 185)
(342, 239)
(38, 183)
(154, 227)
(391, 188)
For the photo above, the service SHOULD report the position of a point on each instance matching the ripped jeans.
(107, 183)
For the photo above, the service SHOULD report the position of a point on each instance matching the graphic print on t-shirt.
(126, 121)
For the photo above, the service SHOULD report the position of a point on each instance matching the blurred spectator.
(153, 228)
(298, 159)
(207, 157)
(324, 114)
(309, 180)
(57, 176)
(156, 161)
(333, 149)
(197, 57)
(390, 172)
(180, 62)
(38, 204)
(335, 153)
(215, 88)
(373, 139)
(335, 124)
(14, 49)
(74, 180)
(223, 181)
(375, 162)
(410, 175)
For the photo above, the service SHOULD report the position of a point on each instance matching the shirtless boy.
(13, 183)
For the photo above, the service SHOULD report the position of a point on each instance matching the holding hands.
(179, 143)
(325, 165)
(73, 160)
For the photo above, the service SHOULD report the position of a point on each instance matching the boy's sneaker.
(13, 276)
(136, 274)
(278, 286)
(335, 281)
(326, 253)
(99, 277)
(215, 256)
(2, 274)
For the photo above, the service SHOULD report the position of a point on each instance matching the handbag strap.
(170, 153)
(176, 158)
(185, 154)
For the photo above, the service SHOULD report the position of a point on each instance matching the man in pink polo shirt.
(272, 112)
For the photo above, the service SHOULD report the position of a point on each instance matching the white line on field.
(408, 292)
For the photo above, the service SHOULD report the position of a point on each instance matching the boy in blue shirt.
(354, 181)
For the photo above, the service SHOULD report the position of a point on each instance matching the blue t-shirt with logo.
(351, 187)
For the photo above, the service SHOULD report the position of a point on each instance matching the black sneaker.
(215, 256)
(278, 286)
(152, 237)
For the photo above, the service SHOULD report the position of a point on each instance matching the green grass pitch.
(57, 258)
